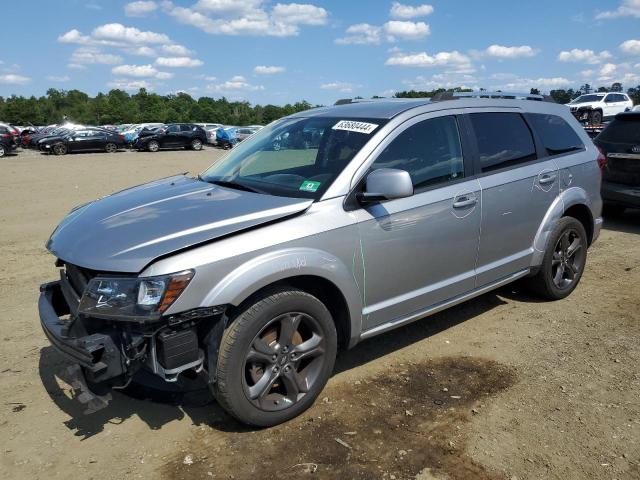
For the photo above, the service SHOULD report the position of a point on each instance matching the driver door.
(171, 137)
(421, 250)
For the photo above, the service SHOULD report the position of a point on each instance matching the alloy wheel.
(59, 149)
(153, 146)
(196, 144)
(568, 259)
(111, 148)
(284, 361)
(2, 151)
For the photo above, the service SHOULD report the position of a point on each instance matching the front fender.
(567, 199)
(272, 267)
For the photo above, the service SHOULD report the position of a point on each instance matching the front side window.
(504, 140)
(556, 135)
(294, 157)
(173, 129)
(429, 150)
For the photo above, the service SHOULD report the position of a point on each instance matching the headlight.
(133, 298)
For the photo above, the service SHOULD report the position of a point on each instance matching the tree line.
(117, 106)
(559, 95)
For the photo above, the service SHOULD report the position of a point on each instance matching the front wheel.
(111, 148)
(3, 152)
(153, 146)
(196, 144)
(596, 117)
(60, 149)
(275, 357)
(563, 262)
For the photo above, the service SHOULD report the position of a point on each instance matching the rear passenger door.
(518, 189)
(186, 134)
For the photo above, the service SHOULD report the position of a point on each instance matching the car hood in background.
(126, 231)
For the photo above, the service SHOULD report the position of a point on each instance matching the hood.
(581, 104)
(125, 231)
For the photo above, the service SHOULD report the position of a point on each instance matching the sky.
(277, 52)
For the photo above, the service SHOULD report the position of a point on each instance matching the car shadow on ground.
(157, 403)
(625, 222)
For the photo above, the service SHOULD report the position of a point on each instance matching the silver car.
(258, 270)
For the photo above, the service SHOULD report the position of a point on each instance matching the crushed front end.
(112, 325)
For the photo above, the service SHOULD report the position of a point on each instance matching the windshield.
(587, 98)
(294, 157)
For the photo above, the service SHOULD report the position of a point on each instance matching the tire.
(111, 147)
(153, 146)
(276, 146)
(196, 144)
(3, 151)
(596, 117)
(563, 263)
(267, 373)
(59, 149)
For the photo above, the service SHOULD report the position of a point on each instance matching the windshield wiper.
(230, 184)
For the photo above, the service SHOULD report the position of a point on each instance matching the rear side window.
(186, 128)
(556, 135)
(504, 140)
(625, 130)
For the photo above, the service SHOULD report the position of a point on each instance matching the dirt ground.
(502, 387)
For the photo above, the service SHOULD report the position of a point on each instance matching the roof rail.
(438, 97)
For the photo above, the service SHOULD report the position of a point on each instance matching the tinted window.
(186, 128)
(504, 140)
(622, 131)
(173, 129)
(430, 151)
(556, 135)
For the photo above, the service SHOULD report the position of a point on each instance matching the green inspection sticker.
(309, 186)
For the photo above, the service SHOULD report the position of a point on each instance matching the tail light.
(602, 158)
(121, 137)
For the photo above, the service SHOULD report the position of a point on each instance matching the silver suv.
(374, 215)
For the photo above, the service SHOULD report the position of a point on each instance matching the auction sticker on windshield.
(353, 126)
(309, 186)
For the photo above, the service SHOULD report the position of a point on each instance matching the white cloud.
(140, 8)
(299, 14)
(176, 50)
(91, 55)
(119, 33)
(452, 61)
(130, 85)
(178, 62)
(625, 73)
(525, 84)
(343, 87)
(628, 8)
(422, 83)
(74, 36)
(500, 51)
(13, 79)
(142, 51)
(234, 85)
(396, 29)
(247, 17)
(583, 56)
(140, 71)
(361, 34)
(55, 78)
(398, 10)
(268, 70)
(631, 47)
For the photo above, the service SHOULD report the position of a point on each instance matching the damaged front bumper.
(109, 353)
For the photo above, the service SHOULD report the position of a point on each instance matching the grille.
(78, 277)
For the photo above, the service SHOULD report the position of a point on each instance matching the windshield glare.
(587, 98)
(294, 157)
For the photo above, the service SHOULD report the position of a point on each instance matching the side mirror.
(386, 184)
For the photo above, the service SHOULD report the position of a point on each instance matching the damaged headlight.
(133, 298)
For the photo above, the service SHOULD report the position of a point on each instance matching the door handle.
(464, 201)
(544, 179)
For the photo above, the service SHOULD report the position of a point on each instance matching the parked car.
(175, 135)
(226, 137)
(593, 108)
(254, 271)
(84, 140)
(619, 142)
(211, 135)
(131, 134)
(8, 142)
(46, 134)
(243, 133)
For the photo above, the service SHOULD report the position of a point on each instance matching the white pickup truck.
(593, 108)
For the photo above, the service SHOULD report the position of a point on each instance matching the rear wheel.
(111, 148)
(153, 146)
(563, 262)
(275, 357)
(196, 144)
(596, 117)
(60, 149)
(3, 152)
